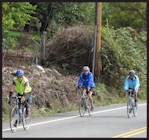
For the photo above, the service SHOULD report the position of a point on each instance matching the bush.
(122, 50)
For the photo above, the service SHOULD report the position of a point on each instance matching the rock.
(41, 68)
(5, 69)
(65, 65)
(48, 70)
(56, 73)
(22, 67)
(36, 72)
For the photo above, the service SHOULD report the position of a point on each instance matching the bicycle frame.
(131, 98)
(131, 104)
(84, 103)
(18, 114)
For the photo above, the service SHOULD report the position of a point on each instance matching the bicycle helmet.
(19, 72)
(86, 68)
(131, 72)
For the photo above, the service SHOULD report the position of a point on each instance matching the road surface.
(105, 122)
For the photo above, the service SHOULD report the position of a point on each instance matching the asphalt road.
(105, 122)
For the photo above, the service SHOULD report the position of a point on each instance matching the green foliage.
(11, 39)
(123, 14)
(74, 12)
(15, 16)
(36, 37)
(65, 14)
(122, 50)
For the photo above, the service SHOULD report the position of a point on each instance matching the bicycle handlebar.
(129, 90)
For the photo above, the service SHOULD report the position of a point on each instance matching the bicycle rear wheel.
(135, 111)
(14, 115)
(89, 107)
(129, 109)
(26, 119)
(82, 107)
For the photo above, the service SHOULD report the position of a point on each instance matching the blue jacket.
(133, 84)
(87, 80)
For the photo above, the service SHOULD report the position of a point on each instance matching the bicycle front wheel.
(82, 107)
(89, 107)
(26, 119)
(129, 109)
(14, 115)
(135, 111)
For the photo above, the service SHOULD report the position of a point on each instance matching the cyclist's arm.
(80, 81)
(91, 81)
(137, 84)
(126, 83)
(12, 88)
(25, 87)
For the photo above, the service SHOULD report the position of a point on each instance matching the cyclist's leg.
(27, 102)
(90, 98)
(136, 96)
(139, 91)
(83, 91)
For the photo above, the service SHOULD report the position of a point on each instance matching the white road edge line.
(35, 124)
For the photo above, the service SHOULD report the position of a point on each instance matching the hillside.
(55, 85)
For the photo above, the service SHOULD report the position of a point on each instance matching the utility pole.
(95, 42)
(98, 55)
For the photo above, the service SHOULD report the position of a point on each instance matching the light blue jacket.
(133, 84)
(87, 81)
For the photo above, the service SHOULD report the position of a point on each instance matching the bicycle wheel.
(14, 117)
(129, 109)
(26, 119)
(135, 111)
(82, 107)
(89, 107)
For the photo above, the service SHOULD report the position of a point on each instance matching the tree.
(15, 16)
(54, 14)
(123, 14)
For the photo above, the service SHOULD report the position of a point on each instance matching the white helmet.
(86, 68)
(131, 72)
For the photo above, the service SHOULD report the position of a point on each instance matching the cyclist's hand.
(10, 93)
(23, 98)
(24, 94)
(125, 93)
(78, 87)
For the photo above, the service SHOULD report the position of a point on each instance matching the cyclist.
(87, 81)
(22, 88)
(132, 82)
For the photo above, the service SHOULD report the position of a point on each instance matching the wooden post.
(107, 24)
(99, 25)
(44, 35)
(95, 43)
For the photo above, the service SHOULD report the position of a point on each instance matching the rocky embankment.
(52, 90)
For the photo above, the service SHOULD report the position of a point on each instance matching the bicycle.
(18, 114)
(84, 103)
(131, 106)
